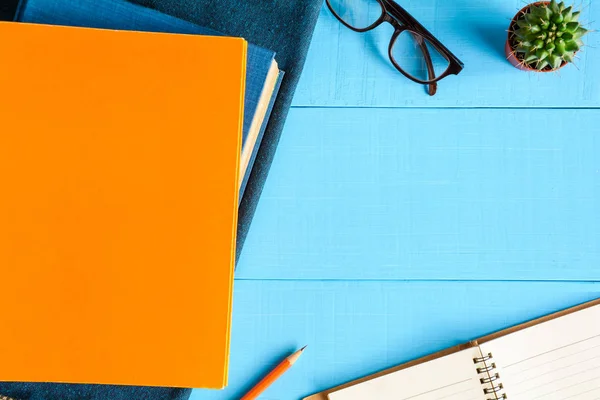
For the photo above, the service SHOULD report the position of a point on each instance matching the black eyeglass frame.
(401, 20)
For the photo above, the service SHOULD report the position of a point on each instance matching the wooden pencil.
(273, 375)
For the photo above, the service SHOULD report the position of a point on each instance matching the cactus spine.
(548, 35)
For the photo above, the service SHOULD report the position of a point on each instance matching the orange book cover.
(118, 204)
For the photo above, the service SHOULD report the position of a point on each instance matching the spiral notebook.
(554, 357)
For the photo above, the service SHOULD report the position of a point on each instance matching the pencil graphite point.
(294, 357)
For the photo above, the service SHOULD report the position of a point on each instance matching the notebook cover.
(120, 14)
(324, 395)
(118, 212)
(538, 321)
(286, 27)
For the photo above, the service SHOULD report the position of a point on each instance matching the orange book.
(119, 156)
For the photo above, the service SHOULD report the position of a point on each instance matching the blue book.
(263, 77)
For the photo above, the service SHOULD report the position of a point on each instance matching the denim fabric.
(56, 391)
(7, 9)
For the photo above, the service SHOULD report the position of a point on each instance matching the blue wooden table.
(394, 224)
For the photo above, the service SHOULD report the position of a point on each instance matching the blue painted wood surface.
(355, 328)
(467, 194)
(345, 68)
(393, 224)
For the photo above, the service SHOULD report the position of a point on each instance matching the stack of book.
(134, 146)
(263, 77)
(129, 138)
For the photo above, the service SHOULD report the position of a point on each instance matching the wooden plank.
(431, 194)
(345, 68)
(356, 328)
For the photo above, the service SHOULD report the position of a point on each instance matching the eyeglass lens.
(415, 55)
(411, 52)
(359, 14)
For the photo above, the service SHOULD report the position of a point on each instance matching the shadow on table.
(492, 36)
(487, 24)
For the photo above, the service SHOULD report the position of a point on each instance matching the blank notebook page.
(557, 359)
(119, 156)
(451, 377)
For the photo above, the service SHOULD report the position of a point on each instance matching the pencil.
(273, 375)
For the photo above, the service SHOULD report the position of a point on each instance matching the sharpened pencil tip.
(294, 357)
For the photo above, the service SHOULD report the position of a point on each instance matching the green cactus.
(547, 35)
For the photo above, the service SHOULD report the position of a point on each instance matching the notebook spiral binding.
(491, 381)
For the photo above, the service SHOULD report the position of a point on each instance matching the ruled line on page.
(555, 370)
(580, 393)
(588, 349)
(565, 388)
(437, 389)
(597, 377)
(552, 351)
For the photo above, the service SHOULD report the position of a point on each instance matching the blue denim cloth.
(7, 9)
(55, 391)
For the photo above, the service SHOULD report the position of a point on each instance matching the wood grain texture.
(345, 68)
(376, 184)
(431, 194)
(356, 328)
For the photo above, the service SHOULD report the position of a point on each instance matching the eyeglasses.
(413, 50)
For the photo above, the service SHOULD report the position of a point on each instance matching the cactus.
(547, 35)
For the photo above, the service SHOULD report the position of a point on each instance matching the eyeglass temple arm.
(430, 70)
